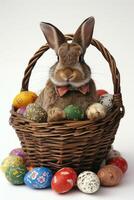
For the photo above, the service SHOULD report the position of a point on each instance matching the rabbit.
(70, 79)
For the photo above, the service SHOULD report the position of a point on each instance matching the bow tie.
(64, 89)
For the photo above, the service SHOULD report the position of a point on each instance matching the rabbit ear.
(83, 35)
(53, 35)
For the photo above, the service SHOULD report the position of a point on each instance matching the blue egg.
(38, 178)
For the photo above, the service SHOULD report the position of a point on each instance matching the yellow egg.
(11, 161)
(24, 98)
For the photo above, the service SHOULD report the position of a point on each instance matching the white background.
(20, 37)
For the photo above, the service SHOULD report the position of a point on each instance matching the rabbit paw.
(55, 114)
(96, 111)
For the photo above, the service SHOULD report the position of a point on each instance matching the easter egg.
(88, 182)
(38, 178)
(64, 180)
(113, 153)
(73, 112)
(30, 168)
(107, 101)
(18, 152)
(35, 113)
(110, 175)
(21, 110)
(15, 175)
(13, 161)
(101, 92)
(24, 98)
(119, 162)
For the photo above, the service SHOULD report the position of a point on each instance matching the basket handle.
(112, 64)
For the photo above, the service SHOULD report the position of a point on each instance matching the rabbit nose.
(67, 74)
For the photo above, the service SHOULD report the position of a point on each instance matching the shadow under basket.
(81, 145)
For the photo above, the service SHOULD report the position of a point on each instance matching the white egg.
(88, 182)
(107, 101)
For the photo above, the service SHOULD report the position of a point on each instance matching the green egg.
(74, 112)
(15, 175)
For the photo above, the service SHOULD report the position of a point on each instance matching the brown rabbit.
(70, 77)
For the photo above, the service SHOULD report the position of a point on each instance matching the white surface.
(20, 37)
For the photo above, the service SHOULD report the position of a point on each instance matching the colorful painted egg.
(64, 180)
(13, 161)
(21, 110)
(35, 113)
(38, 178)
(88, 182)
(107, 101)
(24, 98)
(101, 92)
(110, 175)
(30, 168)
(119, 162)
(15, 175)
(18, 152)
(73, 112)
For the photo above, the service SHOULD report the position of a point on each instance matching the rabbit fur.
(69, 71)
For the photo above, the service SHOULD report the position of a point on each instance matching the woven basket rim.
(106, 54)
(113, 112)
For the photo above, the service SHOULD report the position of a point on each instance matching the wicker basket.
(79, 144)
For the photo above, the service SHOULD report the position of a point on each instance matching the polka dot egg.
(38, 178)
(107, 101)
(64, 180)
(24, 98)
(88, 182)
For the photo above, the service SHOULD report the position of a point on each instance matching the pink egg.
(21, 110)
(18, 152)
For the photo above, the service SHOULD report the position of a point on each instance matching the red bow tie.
(64, 89)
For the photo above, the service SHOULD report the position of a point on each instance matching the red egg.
(101, 92)
(119, 162)
(64, 180)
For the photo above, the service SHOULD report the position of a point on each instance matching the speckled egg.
(110, 175)
(15, 175)
(35, 113)
(38, 178)
(73, 112)
(88, 182)
(24, 98)
(107, 101)
(13, 161)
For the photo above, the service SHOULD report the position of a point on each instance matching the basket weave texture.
(79, 144)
